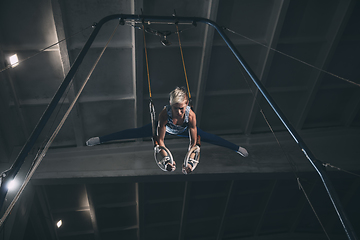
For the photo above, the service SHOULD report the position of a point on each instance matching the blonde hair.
(178, 95)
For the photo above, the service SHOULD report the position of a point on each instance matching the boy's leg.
(216, 140)
(141, 132)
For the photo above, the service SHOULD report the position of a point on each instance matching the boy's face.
(178, 109)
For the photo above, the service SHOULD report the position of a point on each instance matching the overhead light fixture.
(14, 61)
(59, 223)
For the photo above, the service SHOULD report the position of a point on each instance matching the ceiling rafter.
(352, 114)
(334, 33)
(37, 224)
(247, 91)
(272, 37)
(17, 106)
(91, 99)
(4, 146)
(352, 111)
(164, 200)
(5, 109)
(265, 42)
(225, 210)
(137, 199)
(264, 208)
(89, 193)
(73, 209)
(116, 205)
(119, 229)
(184, 211)
(12, 92)
(211, 14)
(294, 236)
(20, 215)
(345, 201)
(137, 65)
(65, 60)
(45, 208)
(76, 233)
(141, 212)
(301, 207)
(165, 223)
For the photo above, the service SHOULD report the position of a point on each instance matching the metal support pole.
(309, 155)
(174, 19)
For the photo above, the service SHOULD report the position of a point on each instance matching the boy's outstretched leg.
(141, 132)
(216, 140)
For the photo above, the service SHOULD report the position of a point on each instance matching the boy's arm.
(162, 127)
(192, 129)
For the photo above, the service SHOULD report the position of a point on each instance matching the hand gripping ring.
(161, 160)
(192, 158)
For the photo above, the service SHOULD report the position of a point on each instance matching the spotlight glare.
(14, 61)
(59, 223)
(12, 184)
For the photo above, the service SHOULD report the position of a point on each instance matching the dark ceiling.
(304, 52)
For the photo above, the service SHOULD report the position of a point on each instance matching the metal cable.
(44, 49)
(294, 58)
(151, 105)
(291, 162)
(347, 80)
(147, 62)
(301, 187)
(337, 168)
(183, 62)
